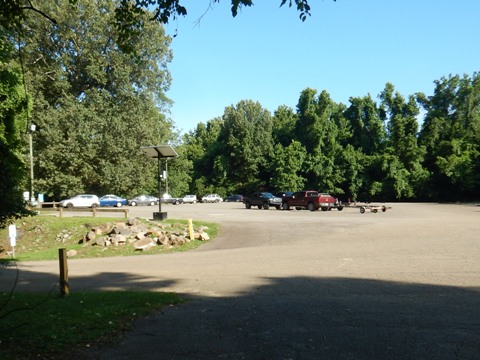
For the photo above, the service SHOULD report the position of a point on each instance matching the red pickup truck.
(311, 200)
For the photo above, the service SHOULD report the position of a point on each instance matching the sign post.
(12, 234)
(160, 152)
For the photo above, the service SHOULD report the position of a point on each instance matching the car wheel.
(133, 203)
(384, 208)
(362, 210)
(324, 208)
(119, 204)
(259, 207)
(340, 208)
(374, 211)
(152, 203)
(177, 202)
(94, 205)
(285, 206)
(298, 208)
(278, 207)
(266, 206)
(311, 206)
(194, 201)
(248, 205)
(69, 205)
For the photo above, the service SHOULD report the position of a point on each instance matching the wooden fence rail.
(94, 211)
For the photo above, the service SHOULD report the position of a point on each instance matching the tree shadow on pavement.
(300, 318)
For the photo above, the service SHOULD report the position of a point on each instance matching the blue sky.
(348, 48)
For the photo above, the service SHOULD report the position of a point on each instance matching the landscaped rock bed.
(141, 236)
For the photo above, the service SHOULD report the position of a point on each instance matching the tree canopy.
(129, 14)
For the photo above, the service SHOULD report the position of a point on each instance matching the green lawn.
(40, 326)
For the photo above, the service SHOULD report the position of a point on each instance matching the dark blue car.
(112, 200)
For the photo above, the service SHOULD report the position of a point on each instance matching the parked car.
(168, 199)
(143, 200)
(113, 200)
(190, 199)
(234, 198)
(82, 200)
(212, 198)
(263, 200)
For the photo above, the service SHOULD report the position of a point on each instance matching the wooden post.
(64, 286)
(60, 209)
(190, 229)
(94, 210)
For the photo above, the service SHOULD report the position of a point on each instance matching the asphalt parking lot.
(404, 284)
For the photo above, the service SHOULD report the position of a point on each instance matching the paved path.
(403, 284)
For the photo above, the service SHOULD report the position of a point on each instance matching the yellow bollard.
(190, 228)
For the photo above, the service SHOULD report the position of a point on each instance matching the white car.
(83, 200)
(212, 198)
(190, 199)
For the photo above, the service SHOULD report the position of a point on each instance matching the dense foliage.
(94, 104)
(13, 123)
(368, 150)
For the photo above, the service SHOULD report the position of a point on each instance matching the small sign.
(12, 234)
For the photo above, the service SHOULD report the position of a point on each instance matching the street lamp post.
(30, 138)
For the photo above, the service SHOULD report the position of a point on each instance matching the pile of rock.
(142, 236)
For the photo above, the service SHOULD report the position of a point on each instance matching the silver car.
(212, 198)
(82, 200)
(190, 199)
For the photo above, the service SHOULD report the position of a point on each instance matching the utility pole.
(30, 133)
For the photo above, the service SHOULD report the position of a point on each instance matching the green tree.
(284, 123)
(95, 105)
(286, 167)
(130, 15)
(367, 125)
(450, 133)
(246, 137)
(202, 146)
(13, 123)
(406, 174)
(318, 132)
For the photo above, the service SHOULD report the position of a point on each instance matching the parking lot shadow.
(312, 318)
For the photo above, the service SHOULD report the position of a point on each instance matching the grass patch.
(41, 326)
(50, 326)
(40, 237)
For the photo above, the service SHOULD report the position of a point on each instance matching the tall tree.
(287, 167)
(13, 123)
(202, 146)
(450, 133)
(95, 105)
(248, 146)
(406, 174)
(367, 125)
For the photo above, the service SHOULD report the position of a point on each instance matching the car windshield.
(267, 195)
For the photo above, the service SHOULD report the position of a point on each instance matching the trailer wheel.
(362, 210)
(374, 211)
(384, 208)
